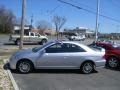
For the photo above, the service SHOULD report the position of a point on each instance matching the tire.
(87, 67)
(43, 41)
(112, 62)
(24, 66)
(17, 42)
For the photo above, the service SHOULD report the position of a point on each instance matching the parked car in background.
(32, 37)
(77, 37)
(112, 55)
(58, 55)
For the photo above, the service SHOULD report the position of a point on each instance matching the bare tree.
(59, 22)
(43, 25)
(7, 19)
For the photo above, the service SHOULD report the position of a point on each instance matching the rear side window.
(75, 48)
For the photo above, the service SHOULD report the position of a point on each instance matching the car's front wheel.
(112, 62)
(17, 42)
(87, 67)
(43, 41)
(24, 66)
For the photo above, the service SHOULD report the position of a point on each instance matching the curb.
(15, 86)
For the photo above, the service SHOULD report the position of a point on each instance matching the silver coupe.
(58, 55)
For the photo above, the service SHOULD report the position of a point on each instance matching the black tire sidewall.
(82, 68)
(107, 63)
(31, 67)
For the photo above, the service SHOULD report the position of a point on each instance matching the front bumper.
(12, 63)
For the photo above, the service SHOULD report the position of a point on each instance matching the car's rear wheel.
(17, 42)
(112, 62)
(87, 67)
(24, 66)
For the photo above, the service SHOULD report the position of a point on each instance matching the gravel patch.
(5, 83)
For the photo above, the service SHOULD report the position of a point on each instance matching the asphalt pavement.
(104, 79)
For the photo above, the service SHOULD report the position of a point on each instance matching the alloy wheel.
(24, 67)
(87, 67)
(113, 62)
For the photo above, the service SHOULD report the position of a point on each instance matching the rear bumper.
(100, 63)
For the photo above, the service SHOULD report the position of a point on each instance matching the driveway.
(104, 79)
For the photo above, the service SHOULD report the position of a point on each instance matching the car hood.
(23, 52)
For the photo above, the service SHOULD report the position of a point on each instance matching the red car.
(112, 55)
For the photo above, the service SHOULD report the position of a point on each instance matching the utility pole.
(31, 22)
(97, 21)
(22, 24)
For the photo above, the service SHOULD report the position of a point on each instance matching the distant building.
(17, 29)
(45, 32)
(80, 30)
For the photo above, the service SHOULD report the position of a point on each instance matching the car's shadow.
(54, 71)
(58, 71)
(48, 71)
(117, 69)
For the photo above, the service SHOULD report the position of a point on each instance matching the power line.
(90, 11)
(82, 4)
(94, 9)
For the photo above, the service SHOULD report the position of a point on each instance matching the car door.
(35, 38)
(53, 58)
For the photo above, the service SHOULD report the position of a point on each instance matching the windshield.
(36, 49)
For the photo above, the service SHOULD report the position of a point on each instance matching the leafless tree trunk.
(59, 22)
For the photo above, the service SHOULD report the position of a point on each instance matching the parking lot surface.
(104, 79)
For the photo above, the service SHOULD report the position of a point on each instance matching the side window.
(56, 48)
(32, 34)
(36, 34)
